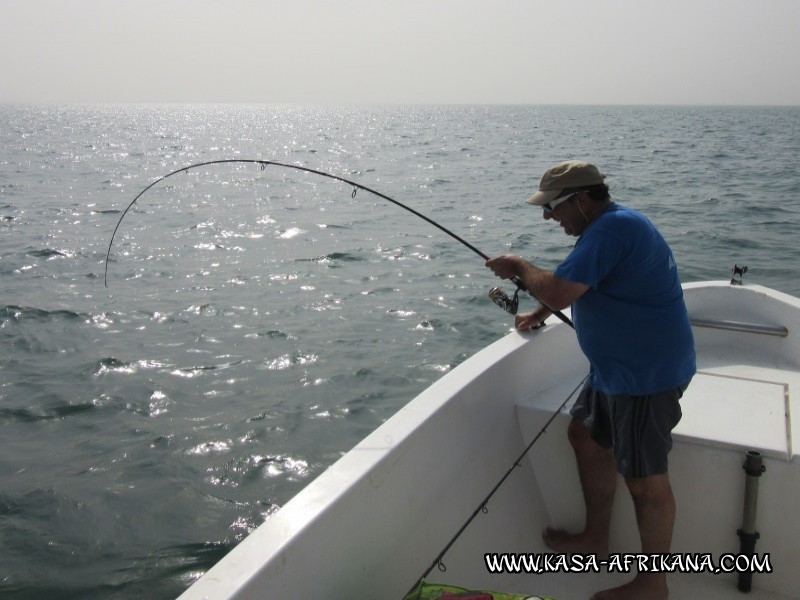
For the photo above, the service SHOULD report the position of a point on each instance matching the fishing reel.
(499, 297)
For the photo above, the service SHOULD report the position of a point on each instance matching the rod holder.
(753, 468)
(738, 272)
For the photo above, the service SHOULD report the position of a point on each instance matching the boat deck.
(682, 585)
(732, 406)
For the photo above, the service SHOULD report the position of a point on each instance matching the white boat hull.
(372, 524)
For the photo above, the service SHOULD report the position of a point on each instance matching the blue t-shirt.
(632, 322)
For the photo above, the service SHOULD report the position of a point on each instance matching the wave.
(29, 415)
(12, 312)
(45, 253)
(340, 256)
(113, 365)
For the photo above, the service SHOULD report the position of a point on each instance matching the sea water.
(258, 323)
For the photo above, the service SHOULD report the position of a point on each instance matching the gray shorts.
(637, 428)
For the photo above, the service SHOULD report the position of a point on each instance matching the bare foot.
(642, 587)
(574, 543)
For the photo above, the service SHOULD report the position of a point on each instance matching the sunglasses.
(551, 206)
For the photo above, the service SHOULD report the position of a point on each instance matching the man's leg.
(598, 476)
(655, 515)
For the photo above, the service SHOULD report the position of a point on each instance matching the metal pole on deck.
(753, 467)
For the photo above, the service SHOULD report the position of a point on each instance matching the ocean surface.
(258, 323)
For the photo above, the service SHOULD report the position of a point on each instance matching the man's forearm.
(544, 285)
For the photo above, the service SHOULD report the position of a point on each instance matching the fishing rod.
(497, 295)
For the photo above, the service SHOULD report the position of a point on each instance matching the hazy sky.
(401, 51)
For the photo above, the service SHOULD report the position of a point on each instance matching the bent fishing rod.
(499, 297)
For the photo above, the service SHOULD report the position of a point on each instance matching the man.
(631, 321)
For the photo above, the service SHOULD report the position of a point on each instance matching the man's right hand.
(530, 320)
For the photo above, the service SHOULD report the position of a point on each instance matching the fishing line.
(497, 295)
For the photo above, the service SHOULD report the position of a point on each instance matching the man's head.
(572, 193)
(566, 177)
